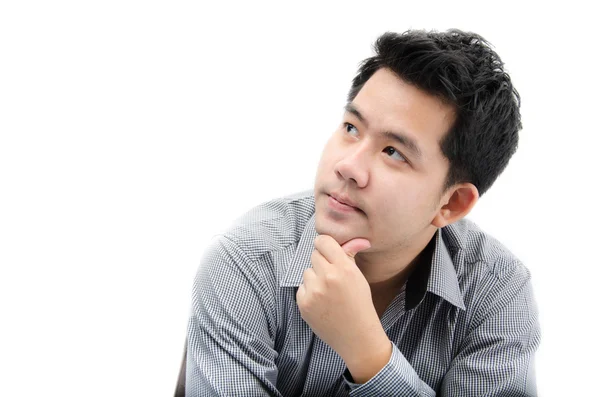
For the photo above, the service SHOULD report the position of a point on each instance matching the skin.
(361, 259)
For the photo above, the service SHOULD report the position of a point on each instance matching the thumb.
(354, 246)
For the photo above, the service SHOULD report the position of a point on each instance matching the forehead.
(389, 103)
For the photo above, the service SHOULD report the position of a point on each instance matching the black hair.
(461, 69)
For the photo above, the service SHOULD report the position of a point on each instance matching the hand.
(335, 301)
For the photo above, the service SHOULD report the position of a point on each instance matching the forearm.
(367, 358)
(397, 377)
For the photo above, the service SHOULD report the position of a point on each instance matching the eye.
(391, 150)
(349, 127)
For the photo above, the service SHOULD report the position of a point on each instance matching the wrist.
(365, 363)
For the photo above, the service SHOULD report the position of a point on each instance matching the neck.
(386, 271)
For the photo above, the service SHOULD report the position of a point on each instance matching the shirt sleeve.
(496, 358)
(396, 378)
(497, 355)
(232, 327)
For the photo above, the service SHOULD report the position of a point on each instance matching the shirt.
(464, 324)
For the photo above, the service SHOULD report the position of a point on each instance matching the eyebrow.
(399, 137)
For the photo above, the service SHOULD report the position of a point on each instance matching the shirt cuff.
(397, 377)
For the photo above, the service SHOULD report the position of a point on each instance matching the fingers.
(354, 246)
(301, 293)
(334, 253)
(319, 263)
(327, 247)
(309, 279)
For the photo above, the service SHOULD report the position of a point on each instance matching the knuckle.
(303, 304)
(320, 239)
(308, 273)
(302, 301)
(314, 255)
(306, 304)
(331, 278)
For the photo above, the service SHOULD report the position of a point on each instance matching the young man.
(374, 283)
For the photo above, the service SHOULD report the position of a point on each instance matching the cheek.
(425, 190)
(413, 201)
(328, 157)
(420, 199)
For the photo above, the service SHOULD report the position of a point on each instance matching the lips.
(344, 200)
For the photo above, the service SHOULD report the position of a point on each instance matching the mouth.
(341, 207)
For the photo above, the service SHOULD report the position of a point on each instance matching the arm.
(497, 356)
(335, 301)
(231, 328)
(495, 359)
(396, 378)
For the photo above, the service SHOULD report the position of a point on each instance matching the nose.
(354, 165)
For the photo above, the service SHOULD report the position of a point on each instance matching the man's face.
(396, 184)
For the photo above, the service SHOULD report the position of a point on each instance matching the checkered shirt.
(464, 324)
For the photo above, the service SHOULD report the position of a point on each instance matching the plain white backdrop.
(132, 132)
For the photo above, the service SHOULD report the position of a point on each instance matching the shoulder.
(256, 245)
(490, 276)
(241, 259)
(501, 311)
(273, 225)
(476, 250)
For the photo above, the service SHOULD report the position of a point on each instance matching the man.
(374, 283)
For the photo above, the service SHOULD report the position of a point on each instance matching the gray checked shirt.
(466, 324)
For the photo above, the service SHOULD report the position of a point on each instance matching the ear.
(457, 203)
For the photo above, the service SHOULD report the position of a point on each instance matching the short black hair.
(463, 70)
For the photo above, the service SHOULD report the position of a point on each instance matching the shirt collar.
(439, 274)
(436, 275)
(301, 259)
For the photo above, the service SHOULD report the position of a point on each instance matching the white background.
(134, 131)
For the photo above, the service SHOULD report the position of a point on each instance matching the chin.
(340, 233)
